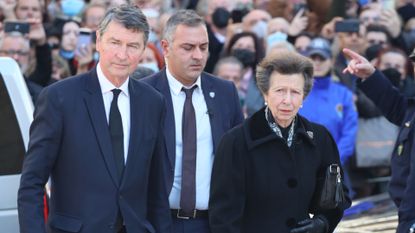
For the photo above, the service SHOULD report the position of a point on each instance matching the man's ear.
(165, 47)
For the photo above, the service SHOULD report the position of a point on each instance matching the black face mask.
(393, 75)
(246, 57)
(220, 17)
(238, 14)
(373, 51)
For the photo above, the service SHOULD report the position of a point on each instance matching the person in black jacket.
(266, 171)
(400, 111)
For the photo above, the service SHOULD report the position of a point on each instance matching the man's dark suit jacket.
(223, 106)
(70, 142)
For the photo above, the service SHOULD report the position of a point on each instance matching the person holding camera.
(400, 111)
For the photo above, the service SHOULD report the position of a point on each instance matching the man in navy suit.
(97, 136)
(194, 122)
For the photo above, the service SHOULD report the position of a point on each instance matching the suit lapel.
(137, 126)
(210, 93)
(95, 105)
(162, 86)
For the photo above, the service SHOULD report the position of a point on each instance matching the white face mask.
(151, 65)
(260, 29)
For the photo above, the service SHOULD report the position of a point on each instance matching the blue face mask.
(275, 38)
(72, 7)
(152, 37)
(151, 65)
(67, 54)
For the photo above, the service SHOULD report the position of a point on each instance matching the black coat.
(400, 111)
(259, 184)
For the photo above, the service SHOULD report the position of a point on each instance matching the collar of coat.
(257, 130)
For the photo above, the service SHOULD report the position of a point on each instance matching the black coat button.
(292, 182)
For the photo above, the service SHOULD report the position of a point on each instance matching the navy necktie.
(188, 189)
(116, 132)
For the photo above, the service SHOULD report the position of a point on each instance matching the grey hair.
(227, 60)
(129, 16)
(182, 17)
(284, 62)
(15, 35)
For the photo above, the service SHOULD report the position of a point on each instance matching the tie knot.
(116, 92)
(189, 91)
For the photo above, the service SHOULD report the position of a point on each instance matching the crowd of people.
(290, 67)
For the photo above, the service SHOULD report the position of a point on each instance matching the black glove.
(317, 224)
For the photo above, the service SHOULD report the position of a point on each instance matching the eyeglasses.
(14, 52)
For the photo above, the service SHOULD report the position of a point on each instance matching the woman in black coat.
(267, 170)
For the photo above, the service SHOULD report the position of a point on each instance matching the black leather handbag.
(332, 193)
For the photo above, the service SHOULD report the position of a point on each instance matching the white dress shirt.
(204, 147)
(123, 104)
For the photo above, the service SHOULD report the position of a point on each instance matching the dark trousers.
(198, 225)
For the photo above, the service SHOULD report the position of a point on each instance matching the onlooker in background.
(377, 35)
(394, 63)
(69, 39)
(256, 21)
(330, 103)
(302, 42)
(277, 24)
(401, 112)
(93, 14)
(28, 9)
(200, 109)
(152, 58)
(60, 68)
(16, 46)
(217, 31)
(40, 62)
(79, 59)
(277, 29)
(248, 49)
(231, 69)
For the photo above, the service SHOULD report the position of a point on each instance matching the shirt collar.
(176, 86)
(107, 86)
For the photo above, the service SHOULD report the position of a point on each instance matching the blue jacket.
(331, 105)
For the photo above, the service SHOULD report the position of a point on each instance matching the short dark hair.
(284, 62)
(130, 16)
(379, 28)
(181, 17)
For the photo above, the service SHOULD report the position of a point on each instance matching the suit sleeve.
(387, 98)
(330, 155)
(227, 190)
(45, 137)
(158, 204)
